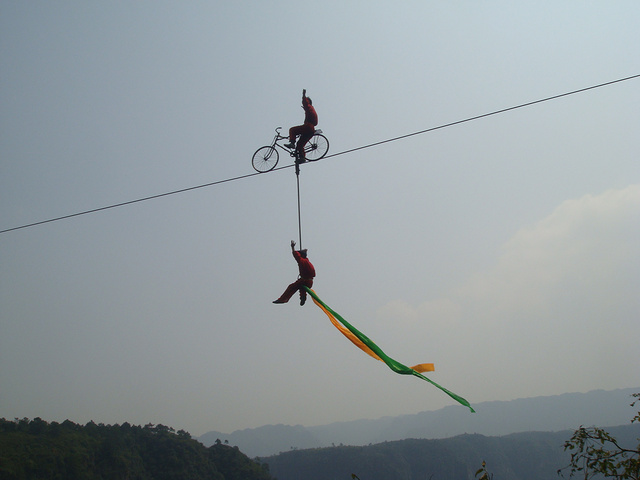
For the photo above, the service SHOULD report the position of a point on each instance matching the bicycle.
(266, 158)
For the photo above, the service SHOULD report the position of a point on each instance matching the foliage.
(36, 450)
(595, 452)
(484, 474)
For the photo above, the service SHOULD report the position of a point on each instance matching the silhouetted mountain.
(519, 456)
(552, 413)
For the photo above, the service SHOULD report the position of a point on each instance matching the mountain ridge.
(517, 456)
(546, 413)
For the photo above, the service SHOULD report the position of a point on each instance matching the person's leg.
(303, 292)
(288, 293)
(305, 136)
(294, 132)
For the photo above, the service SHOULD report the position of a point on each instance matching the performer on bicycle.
(305, 130)
(307, 272)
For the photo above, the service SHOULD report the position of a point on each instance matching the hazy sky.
(504, 250)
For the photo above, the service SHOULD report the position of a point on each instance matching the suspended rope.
(86, 212)
(299, 217)
(484, 115)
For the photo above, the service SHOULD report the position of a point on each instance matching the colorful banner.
(363, 342)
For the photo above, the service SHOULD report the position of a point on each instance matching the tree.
(37, 449)
(483, 472)
(596, 452)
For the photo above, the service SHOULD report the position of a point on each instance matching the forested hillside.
(35, 449)
(520, 456)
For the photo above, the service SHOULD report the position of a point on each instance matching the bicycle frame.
(292, 151)
(266, 158)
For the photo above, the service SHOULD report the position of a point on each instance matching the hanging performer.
(306, 130)
(305, 279)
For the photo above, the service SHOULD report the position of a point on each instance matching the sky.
(505, 250)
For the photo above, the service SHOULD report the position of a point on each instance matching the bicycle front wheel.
(316, 148)
(265, 159)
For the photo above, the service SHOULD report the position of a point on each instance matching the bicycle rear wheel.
(265, 159)
(316, 148)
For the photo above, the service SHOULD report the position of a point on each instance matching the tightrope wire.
(458, 122)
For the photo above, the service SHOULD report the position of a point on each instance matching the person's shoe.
(290, 145)
(303, 300)
(278, 301)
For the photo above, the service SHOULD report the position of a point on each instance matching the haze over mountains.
(552, 413)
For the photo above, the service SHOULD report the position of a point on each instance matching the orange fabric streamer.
(420, 368)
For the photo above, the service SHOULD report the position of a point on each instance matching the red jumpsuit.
(306, 130)
(307, 272)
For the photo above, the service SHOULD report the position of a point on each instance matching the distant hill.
(519, 456)
(552, 413)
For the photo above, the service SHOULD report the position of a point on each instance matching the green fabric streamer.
(391, 363)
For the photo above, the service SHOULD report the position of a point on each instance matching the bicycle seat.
(317, 130)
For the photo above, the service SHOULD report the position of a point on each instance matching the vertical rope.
(299, 218)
